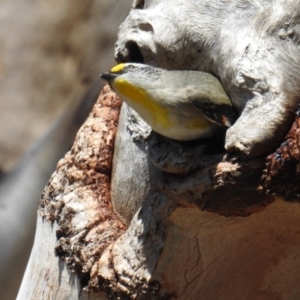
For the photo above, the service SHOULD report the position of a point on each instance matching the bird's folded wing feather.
(221, 114)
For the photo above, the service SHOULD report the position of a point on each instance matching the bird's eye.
(130, 67)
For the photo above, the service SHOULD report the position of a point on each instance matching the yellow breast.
(151, 110)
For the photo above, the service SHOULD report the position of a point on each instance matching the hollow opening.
(135, 54)
(140, 4)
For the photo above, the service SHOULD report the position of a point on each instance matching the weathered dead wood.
(50, 56)
(207, 256)
(20, 192)
(283, 166)
(46, 274)
(177, 225)
(78, 197)
(205, 231)
(251, 46)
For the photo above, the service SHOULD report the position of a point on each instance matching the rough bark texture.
(47, 276)
(175, 229)
(51, 54)
(283, 169)
(238, 245)
(251, 46)
(78, 195)
(20, 192)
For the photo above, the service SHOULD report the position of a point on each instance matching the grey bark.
(20, 192)
(251, 46)
(175, 229)
(47, 276)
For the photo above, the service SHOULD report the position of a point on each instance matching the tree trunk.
(79, 192)
(49, 62)
(179, 220)
(169, 247)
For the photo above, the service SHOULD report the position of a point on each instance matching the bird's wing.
(221, 114)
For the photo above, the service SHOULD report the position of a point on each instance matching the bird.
(182, 105)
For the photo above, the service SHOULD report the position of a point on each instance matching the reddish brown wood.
(282, 174)
(78, 194)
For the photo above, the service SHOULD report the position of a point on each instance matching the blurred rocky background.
(51, 53)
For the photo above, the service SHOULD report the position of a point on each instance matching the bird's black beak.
(108, 76)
